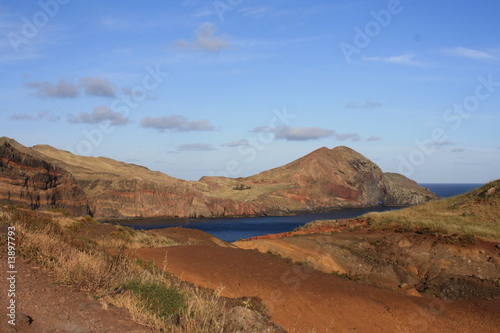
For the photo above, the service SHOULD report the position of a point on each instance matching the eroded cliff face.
(43, 176)
(34, 183)
(121, 198)
(401, 191)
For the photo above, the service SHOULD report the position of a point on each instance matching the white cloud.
(195, 147)
(99, 114)
(302, 133)
(62, 89)
(205, 40)
(43, 115)
(404, 59)
(237, 143)
(470, 53)
(96, 86)
(91, 86)
(306, 133)
(366, 105)
(176, 123)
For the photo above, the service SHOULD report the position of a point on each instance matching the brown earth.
(301, 299)
(45, 177)
(42, 306)
(410, 262)
(187, 236)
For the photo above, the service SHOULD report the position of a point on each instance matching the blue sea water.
(232, 229)
(450, 190)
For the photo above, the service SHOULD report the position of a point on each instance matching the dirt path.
(304, 300)
(54, 308)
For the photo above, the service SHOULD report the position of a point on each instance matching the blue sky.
(235, 87)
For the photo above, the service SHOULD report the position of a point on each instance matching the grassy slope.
(90, 257)
(475, 213)
(87, 167)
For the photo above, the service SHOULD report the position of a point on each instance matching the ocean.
(232, 229)
(450, 190)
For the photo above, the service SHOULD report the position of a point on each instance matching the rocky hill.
(105, 188)
(33, 182)
(323, 179)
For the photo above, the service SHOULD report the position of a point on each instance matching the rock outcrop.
(401, 191)
(34, 183)
(324, 179)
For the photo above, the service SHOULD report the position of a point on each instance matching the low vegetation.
(90, 256)
(473, 214)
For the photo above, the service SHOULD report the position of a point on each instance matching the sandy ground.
(301, 299)
(43, 306)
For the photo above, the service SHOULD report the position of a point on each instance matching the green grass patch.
(157, 297)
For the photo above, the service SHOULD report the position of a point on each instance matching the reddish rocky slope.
(323, 179)
(30, 181)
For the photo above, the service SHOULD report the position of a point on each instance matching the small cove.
(232, 229)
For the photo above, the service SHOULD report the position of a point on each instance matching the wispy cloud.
(307, 133)
(302, 133)
(458, 150)
(374, 138)
(62, 89)
(176, 123)
(236, 143)
(18, 47)
(195, 147)
(256, 12)
(205, 40)
(470, 53)
(366, 105)
(99, 114)
(90, 86)
(404, 59)
(43, 115)
(347, 137)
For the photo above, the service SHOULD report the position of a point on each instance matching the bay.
(232, 229)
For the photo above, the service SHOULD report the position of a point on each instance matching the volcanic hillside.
(106, 189)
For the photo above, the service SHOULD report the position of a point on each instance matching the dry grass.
(475, 213)
(100, 269)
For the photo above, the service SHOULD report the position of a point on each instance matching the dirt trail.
(304, 300)
(54, 308)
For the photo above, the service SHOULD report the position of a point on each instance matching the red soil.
(304, 300)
